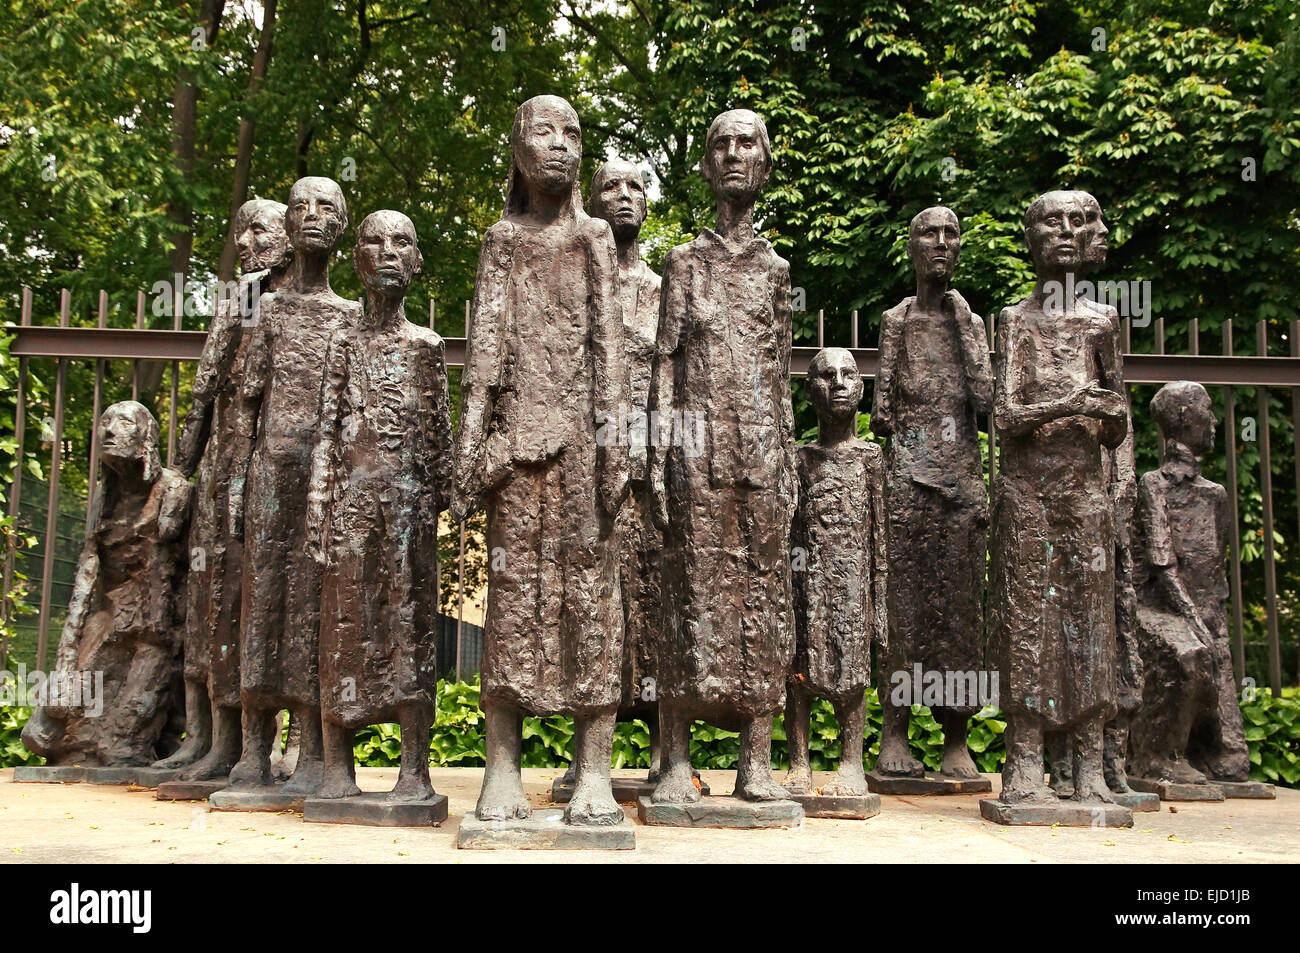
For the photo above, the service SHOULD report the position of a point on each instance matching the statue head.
(618, 196)
(737, 156)
(316, 215)
(545, 152)
(934, 243)
(128, 436)
(834, 384)
(386, 256)
(1092, 238)
(260, 238)
(1052, 225)
(1184, 415)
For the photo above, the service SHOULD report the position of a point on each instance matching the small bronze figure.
(840, 574)
(381, 473)
(118, 659)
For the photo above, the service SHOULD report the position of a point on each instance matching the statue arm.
(1011, 417)
(1160, 555)
(882, 401)
(174, 510)
(879, 553)
(974, 344)
(214, 367)
(323, 453)
(438, 400)
(669, 340)
(1116, 424)
(481, 377)
(610, 365)
(781, 308)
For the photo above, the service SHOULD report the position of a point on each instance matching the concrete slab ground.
(82, 823)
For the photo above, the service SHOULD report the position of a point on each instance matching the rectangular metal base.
(626, 790)
(1137, 801)
(262, 799)
(375, 809)
(189, 790)
(931, 783)
(545, 830)
(843, 807)
(1175, 791)
(731, 812)
(47, 774)
(1247, 789)
(1058, 814)
(152, 777)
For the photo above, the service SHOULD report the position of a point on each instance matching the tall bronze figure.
(218, 441)
(840, 576)
(280, 612)
(546, 363)
(118, 659)
(934, 383)
(1059, 405)
(726, 498)
(381, 473)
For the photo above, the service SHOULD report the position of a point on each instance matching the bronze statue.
(934, 383)
(725, 490)
(546, 364)
(217, 440)
(118, 659)
(1190, 730)
(381, 473)
(840, 577)
(1059, 403)
(280, 609)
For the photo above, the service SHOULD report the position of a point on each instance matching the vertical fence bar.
(1266, 491)
(1160, 336)
(16, 487)
(1295, 424)
(52, 510)
(94, 417)
(854, 329)
(135, 363)
(821, 328)
(1194, 337)
(460, 562)
(1234, 519)
(176, 388)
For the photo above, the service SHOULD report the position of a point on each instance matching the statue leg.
(413, 783)
(502, 797)
(339, 775)
(593, 799)
(957, 762)
(254, 767)
(309, 772)
(132, 725)
(850, 780)
(1022, 775)
(798, 707)
(1114, 748)
(223, 754)
(198, 728)
(1060, 763)
(1225, 754)
(571, 772)
(895, 755)
(1089, 780)
(676, 784)
(754, 772)
(283, 762)
(656, 748)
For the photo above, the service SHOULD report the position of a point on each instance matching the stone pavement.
(81, 823)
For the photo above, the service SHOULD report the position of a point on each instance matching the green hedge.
(1272, 731)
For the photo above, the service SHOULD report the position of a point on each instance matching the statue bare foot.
(570, 776)
(1062, 784)
(798, 781)
(248, 775)
(761, 789)
(1091, 787)
(1230, 767)
(502, 799)
(1117, 779)
(957, 763)
(1177, 771)
(307, 778)
(593, 804)
(335, 785)
(676, 786)
(845, 784)
(896, 759)
(191, 750)
(1028, 793)
(410, 789)
(212, 766)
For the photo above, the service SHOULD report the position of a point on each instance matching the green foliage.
(1273, 734)
(12, 751)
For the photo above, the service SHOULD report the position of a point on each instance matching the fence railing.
(175, 347)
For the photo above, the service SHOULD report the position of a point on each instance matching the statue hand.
(659, 504)
(1103, 404)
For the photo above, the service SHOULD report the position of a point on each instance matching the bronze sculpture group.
(661, 547)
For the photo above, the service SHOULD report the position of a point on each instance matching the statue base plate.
(190, 790)
(1059, 814)
(374, 809)
(144, 777)
(152, 777)
(545, 830)
(256, 799)
(847, 807)
(1176, 791)
(49, 774)
(931, 783)
(729, 811)
(1137, 801)
(626, 790)
(1246, 789)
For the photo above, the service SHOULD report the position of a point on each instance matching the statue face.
(735, 162)
(934, 243)
(1053, 237)
(123, 438)
(1092, 239)
(549, 147)
(386, 256)
(316, 214)
(618, 196)
(834, 384)
(260, 237)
